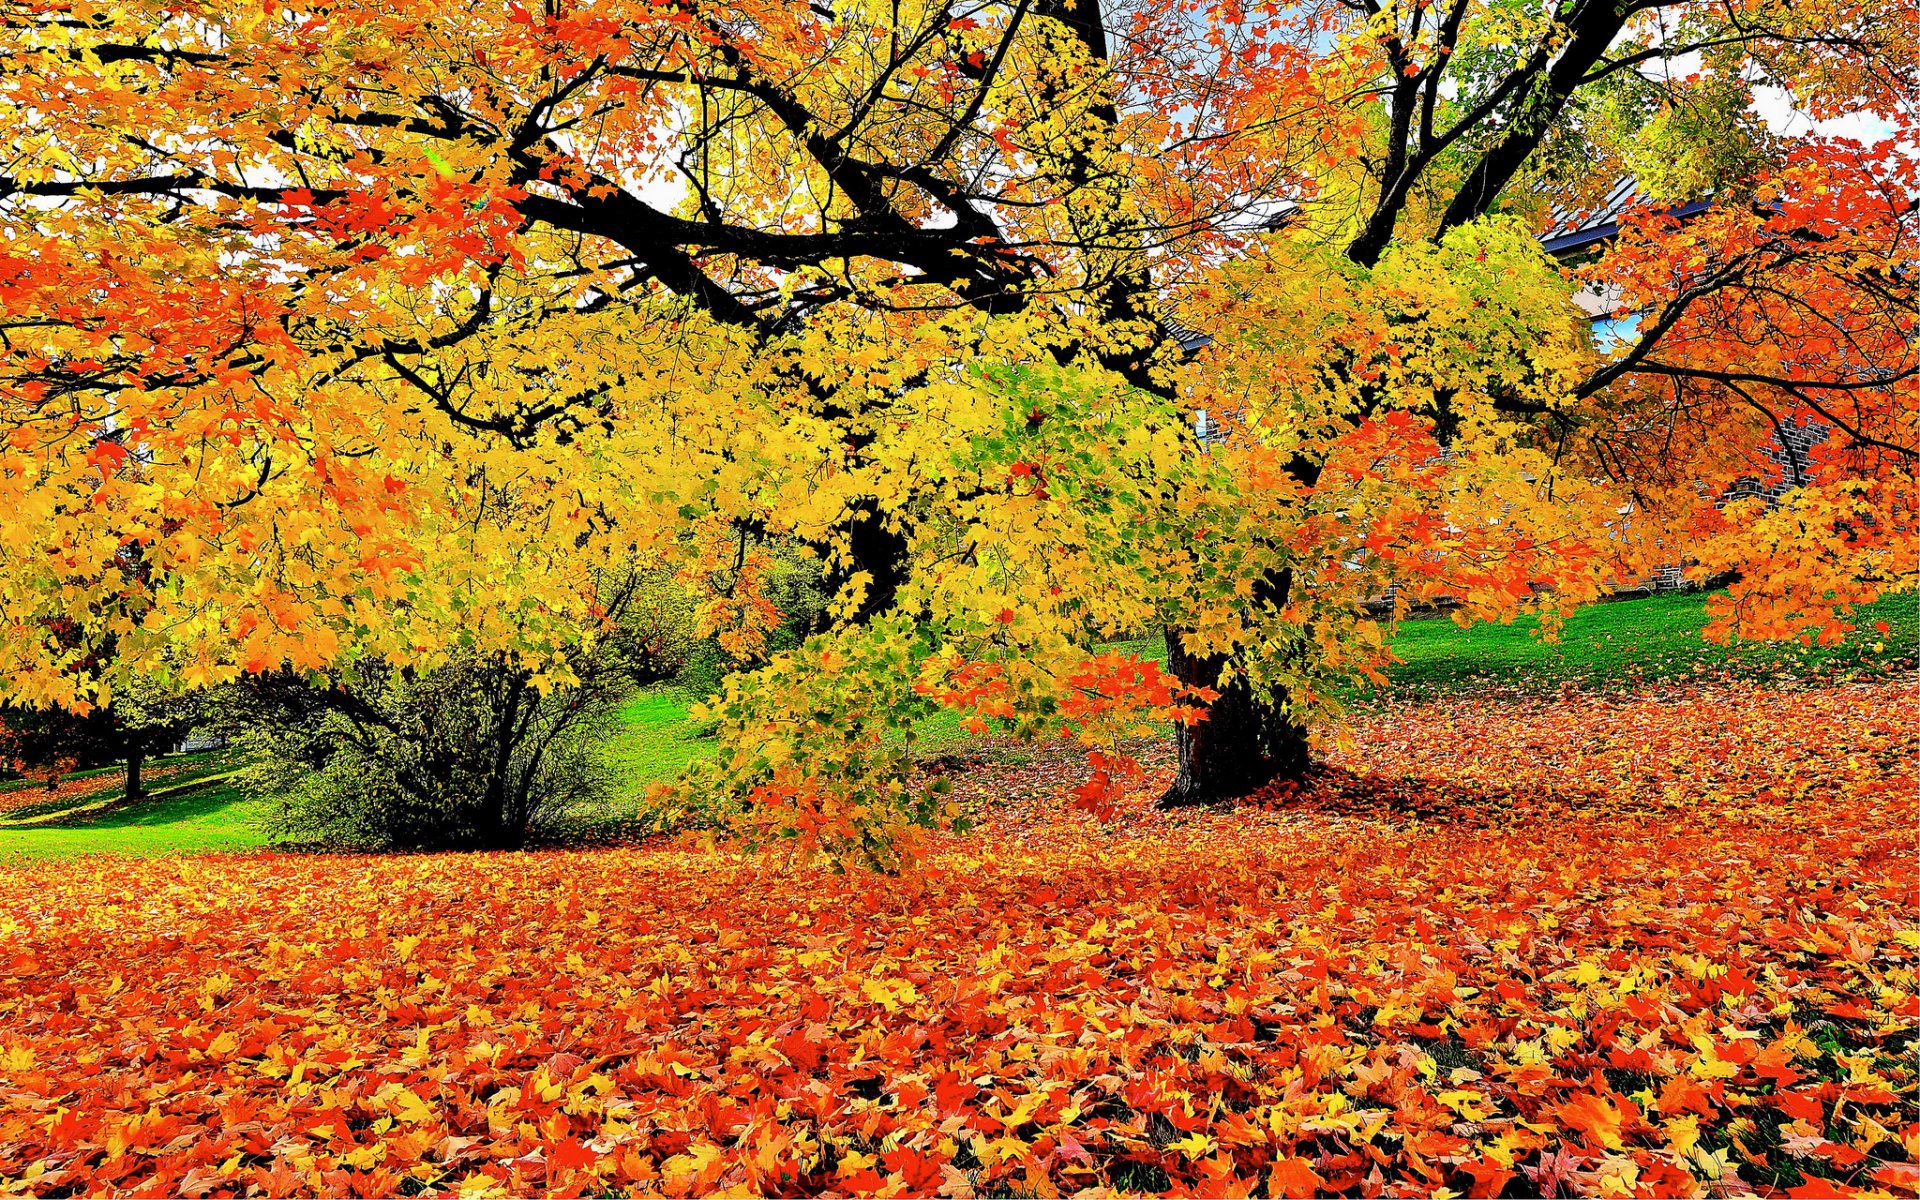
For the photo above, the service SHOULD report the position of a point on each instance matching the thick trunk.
(135, 752)
(496, 827)
(1244, 743)
(876, 550)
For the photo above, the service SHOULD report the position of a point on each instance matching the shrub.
(469, 756)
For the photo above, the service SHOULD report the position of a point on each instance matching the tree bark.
(1535, 109)
(880, 552)
(135, 752)
(496, 829)
(1244, 743)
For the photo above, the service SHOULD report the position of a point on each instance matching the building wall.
(1790, 449)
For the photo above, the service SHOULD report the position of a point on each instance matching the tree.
(466, 756)
(146, 720)
(362, 323)
(52, 742)
(141, 722)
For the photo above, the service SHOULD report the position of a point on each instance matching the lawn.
(655, 738)
(30, 801)
(657, 735)
(1623, 643)
(218, 817)
(1626, 643)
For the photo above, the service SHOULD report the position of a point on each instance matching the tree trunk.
(1531, 114)
(875, 549)
(135, 752)
(496, 830)
(1243, 744)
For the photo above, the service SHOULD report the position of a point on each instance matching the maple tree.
(1626, 946)
(338, 331)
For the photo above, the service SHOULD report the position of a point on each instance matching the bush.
(471, 756)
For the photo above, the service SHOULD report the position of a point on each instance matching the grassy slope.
(656, 739)
(214, 818)
(1619, 643)
(1635, 641)
(168, 771)
(17, 785)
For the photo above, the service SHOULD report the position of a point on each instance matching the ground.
(1657, 939)
(88, 813)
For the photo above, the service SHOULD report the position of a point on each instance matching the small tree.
(468, 756)
(144, 719)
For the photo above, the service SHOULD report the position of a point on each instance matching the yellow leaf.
(1683, 1133)
(410, 1107)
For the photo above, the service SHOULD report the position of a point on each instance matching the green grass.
(1621, 643)
(656, 739)
(1629, 642)
(164, 773)
(204, 820)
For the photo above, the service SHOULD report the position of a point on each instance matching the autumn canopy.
(866, 552)
(341, 331)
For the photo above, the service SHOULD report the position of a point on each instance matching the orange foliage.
(1792, 340)
(1661, 946)
(1107, 698)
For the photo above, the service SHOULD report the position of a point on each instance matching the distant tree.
(147, 719)
(50, 742)
(142, 721)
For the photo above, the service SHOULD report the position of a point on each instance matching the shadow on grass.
(218, 817)
(194, 805)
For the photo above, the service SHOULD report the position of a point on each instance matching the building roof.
(1569, 229)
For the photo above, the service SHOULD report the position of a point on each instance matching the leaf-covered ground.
(1658, 946)
(24, 797)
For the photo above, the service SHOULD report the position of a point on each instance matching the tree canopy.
(337, 330)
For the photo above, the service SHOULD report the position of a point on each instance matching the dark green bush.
(469, 756)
